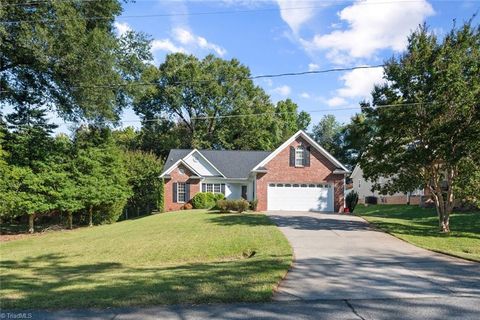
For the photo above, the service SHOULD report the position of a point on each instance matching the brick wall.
(279, 171)
(176, 176)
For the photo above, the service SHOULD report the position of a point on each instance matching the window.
(181, 192)
(288, 185)
(304, 186)
(212, 187)
(359, 182)
(311, 186)
(272, 184)
(280, 185)
(299, 157)
(295, 185)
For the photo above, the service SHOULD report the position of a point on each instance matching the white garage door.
(300, 197)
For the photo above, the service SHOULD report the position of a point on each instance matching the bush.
(239, 206)
(219, 196)
(371, 200)
(204, 200)
(351, 200)
(253, 205)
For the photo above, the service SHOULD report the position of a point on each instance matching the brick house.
(299, 175)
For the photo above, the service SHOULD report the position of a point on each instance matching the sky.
(293, 36)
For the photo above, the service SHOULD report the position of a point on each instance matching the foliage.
(468, 181)
(193, 100)
(290, 119)
(143, 171)
(328, 134)
(253, 204)
(203, 200)
(239, 205)
(435, 127)
(351, 200)
(52, 56)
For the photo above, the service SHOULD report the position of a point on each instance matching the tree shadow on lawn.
(49, 282)
(248, 219)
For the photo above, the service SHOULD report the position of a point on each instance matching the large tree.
(210, 103)
(435, 126)
(329, 134)
(65, 55)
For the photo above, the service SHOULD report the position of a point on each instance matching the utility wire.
(280, 113)
(335, 3)
(263, 76)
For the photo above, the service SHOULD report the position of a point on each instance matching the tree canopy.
(53, 56)
(434, 126)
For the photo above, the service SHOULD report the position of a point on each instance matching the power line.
(338, 3)
(277, 75)
(280, 113)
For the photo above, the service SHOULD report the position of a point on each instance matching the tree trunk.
(443, 200)
(70, 220)
(31, 218)
(90, 216)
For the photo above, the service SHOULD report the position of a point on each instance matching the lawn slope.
(419, 226)
(180, 257)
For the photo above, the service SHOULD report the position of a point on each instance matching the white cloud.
(313, 67)
(305, 95)
(336, 101)
(166, 45)
(296, 12)
(122, 27)
(359, 83)
(372, 25)
(186, 37)
(282, 90)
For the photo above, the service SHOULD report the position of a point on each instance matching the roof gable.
(312, 142)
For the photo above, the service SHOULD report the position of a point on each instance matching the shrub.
(371, 200)
(351, 200)
(253, 205)
(239, 206)
(219, 196)
(222, 205)
(203, 200)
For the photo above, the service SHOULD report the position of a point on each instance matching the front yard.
(419, 226)
(172, 258)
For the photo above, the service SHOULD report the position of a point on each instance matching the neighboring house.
(298, 175)
(364, 189)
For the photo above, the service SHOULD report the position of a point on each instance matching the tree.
(53, 54)
(143, 171)
(435, 127)
(329, 134)
(355, 138)
(101, 174)
(289, 119)
(209, 103)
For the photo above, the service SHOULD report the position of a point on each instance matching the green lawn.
(419, 226)
(179, 257)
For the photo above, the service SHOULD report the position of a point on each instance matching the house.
(364, 189)
(298, 175)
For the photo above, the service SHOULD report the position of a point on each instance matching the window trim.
(184, 192)
(299, 156)
(212, 185)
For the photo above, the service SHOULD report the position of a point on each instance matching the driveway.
(339, 257)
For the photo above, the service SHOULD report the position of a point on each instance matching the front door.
(244, 192)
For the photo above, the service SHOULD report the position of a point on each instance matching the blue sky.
(293, 36)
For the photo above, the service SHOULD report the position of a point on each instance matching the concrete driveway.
(339, 257)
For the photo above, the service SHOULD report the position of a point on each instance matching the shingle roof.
(232, 163)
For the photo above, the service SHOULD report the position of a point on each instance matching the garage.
(300, 196)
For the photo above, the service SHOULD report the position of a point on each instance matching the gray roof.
(232, 163)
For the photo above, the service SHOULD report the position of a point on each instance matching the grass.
(172, 258)
(419, 226)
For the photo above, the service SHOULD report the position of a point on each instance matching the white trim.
(206, 161)
(175, 165)
(310, 141)
(184, 192)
